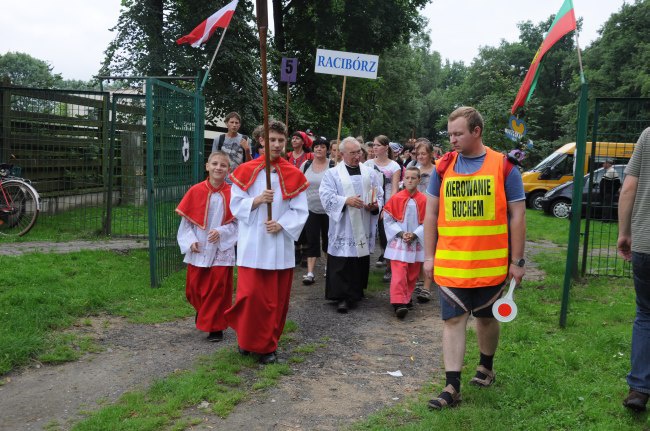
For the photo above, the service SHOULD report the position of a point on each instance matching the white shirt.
(388, 171)
(221, 253)
(397, 248)
(256, 248)
(341, 241)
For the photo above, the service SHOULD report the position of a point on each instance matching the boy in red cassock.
(403, 218)
(207, 236)
(265, 248)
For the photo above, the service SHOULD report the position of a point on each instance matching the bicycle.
(19, 203)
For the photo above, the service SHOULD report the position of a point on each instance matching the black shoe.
(410, 305)
(342, 307)
(401, 311)
(422, 295)
(215, 336)
(243, 352)
(636, 401)
(269, 358)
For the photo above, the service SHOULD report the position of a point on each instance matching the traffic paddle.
(505, 309)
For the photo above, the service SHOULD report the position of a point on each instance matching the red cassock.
(260, 308)
(209, 290)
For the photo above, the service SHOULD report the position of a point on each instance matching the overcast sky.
(72, 35)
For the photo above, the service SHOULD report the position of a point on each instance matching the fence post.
(108, 223)
(151, 204)
(570, 272)
(5, 115)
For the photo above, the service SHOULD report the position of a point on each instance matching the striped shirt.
(639, 166)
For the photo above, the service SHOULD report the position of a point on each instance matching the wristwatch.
(519, 262)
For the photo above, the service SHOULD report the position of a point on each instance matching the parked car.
(557, 201)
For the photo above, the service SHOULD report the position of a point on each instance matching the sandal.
(441, 403)
(490, 377)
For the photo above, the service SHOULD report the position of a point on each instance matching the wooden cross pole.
(338, 134)
(262, 27)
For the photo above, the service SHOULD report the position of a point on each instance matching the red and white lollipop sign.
(505, 309)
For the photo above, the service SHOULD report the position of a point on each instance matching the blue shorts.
(456, 301)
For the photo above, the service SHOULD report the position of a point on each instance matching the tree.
(364, 26)
(144, 45)
(616, 64)
(24, 70)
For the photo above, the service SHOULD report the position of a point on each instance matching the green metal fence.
(175, 121)
(84, 152)
(619, 121)
(108, 163)
(58, 139)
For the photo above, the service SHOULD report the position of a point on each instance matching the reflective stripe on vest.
(472, 247)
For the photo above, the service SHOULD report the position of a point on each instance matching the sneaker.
(308, 279)
(380, 263)
(387, 277)
(422, 295)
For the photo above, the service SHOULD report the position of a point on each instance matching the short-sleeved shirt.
(639, 166)
(388, 171)
(313, 196)
(468, 165)
(232, 147)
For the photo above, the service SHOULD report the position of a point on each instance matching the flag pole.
(338, 134)
(262, 26)
(582, 72)
(286, 115)
(207, 72)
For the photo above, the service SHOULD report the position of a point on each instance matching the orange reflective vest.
(472, 248)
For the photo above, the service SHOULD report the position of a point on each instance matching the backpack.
(308, 163)
(222, 138)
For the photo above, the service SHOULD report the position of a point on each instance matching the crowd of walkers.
(337, 199)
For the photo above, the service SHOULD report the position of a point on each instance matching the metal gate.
(174, 124)
(618, 121)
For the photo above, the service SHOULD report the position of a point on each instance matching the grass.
(85, 223)
(547, 377)
(216, 384)
(544, 227)
(43, 294)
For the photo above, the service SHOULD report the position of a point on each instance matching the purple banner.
(288, 69)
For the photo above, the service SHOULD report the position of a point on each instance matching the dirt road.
(337, 385)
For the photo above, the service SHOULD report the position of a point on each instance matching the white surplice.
(257, 248)
(397, 248)
(221, 253)
(341, 238)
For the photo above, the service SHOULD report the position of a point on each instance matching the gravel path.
(18, 248)
(341, 383)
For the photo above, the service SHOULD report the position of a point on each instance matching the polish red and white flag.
(204, 31)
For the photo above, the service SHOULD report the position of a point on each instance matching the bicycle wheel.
(18, 208)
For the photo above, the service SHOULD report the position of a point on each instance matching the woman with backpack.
(391, 172)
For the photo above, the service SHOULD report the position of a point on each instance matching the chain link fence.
(619, 121)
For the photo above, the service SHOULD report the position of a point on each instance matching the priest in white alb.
(265, 248)
(352, 197)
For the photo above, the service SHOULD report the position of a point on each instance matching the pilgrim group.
(339, 198)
